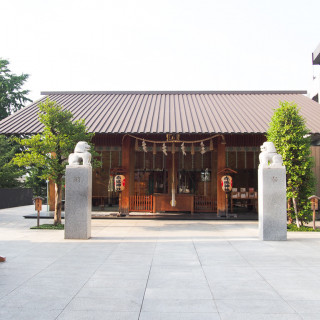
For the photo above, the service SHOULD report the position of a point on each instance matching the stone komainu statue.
(80, 152)
(269, 154)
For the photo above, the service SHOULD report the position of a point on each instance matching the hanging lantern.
(226, 183)
(144, 146)
(164, 149)
(203, 148)
(183, 149)
(192, 149)
(211, 145)
(136, 145)
(119, 182)
(154, 150)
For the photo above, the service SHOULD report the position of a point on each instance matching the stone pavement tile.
(132, 294)
(309, 261)
(123, 271)
(97, 315)
(13, 279)
(145, 261)
(272, 259)
(34, 301)
(172, 260)
(177, 255)
(69, 280)
(28, 314)
(101, 303)
(250, 289)
(58, 289)
(191, 272)
(131, 258)
(216, 274)
(122, 267)
(82, 259)
(284, 273)
(116, 274)
(185, 246)
(253, 306)
(162, 280)
(305, 306)
(297, 289)
(111, 282)
(310, 316)
(178, 293)
(232, 259)
(178, 305)
(6, 289)
(178, 316)
(137, 247)
(57, 269)
(251, 316)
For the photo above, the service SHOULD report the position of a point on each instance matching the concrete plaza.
(156, 270)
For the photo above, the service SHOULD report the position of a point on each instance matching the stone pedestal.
(78, 202)
(272, 203)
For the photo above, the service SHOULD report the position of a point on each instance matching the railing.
(141, 203)
(204, 204)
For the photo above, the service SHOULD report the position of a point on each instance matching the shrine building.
(173, 147)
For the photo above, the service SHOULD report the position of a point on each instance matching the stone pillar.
(78, 203)
(272, 198)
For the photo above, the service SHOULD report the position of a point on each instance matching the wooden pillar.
(128, 166)
(221, 197)
(214, 175)
(51, 195)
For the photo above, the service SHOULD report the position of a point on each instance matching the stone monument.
(78, 193)
(272, 194)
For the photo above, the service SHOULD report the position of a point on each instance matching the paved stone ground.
(157, 270)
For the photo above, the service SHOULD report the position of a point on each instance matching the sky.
(128, 45)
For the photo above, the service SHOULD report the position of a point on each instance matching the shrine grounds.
(157, 270)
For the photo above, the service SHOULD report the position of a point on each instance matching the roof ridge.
(178, 92)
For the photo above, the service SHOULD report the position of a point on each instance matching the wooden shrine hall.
(173, 147)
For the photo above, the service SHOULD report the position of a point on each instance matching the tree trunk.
(296, 211)
(289, 213)
(58, 204)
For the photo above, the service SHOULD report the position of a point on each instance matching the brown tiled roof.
(168, 112)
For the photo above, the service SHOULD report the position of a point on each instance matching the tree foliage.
(9, 173)
(12, 96)
(291, 138)
(50, 149)
(34, 181)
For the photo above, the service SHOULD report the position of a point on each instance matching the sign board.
(226, 183)
(119, 182)
(38, 204)
(314, 204)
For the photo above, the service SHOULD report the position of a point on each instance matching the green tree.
(35, 182)
(50, 149)
(9, 173)
(291, 138)
(12, 96)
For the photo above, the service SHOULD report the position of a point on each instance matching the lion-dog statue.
(269, 154)
(80, 152)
